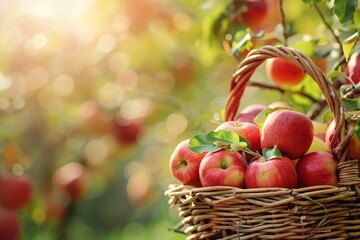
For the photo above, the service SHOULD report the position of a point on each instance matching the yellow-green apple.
(352, 69)
(317, 145)
(280, 104)
(223, 168)
(283, 72)
(10, 225)
(248, 131)
(15, 191)
(292, 132)
(319, 129)
(249, 113)
(275, 172)
(317, 168)
(184, 164)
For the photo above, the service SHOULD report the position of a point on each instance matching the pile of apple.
(265, 146)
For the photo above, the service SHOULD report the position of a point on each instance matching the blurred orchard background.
(102, 92)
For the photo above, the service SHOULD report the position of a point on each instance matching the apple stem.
(182, 163)
(223, 165)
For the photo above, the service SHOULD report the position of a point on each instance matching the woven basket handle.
(256, 57)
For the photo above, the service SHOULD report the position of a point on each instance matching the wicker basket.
(320, 212)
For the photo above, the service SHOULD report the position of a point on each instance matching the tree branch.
(283, 21)
(281, 90)
(337, 39)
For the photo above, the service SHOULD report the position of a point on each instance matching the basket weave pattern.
(320, 212)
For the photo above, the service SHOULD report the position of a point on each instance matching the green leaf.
(202, 143)
(345, 9)
(349, 45)
(223, 136)
(271, 153)
(327, 116)
(351, 104)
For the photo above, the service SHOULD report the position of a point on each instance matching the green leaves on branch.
(345, 9)
(215, 141)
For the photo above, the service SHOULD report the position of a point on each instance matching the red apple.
(184, 164)
(352, 69)
(223, 168)
(273, 17)
(15, 191)
(127, 131)
(71, 179)
(276, 172)
(283, 72)
(317, 168)
(248, 131)
(292, 132)
(254, 13)
(10, 225)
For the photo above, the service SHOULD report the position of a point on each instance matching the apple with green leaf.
(184, 164)
(317, 168)
(271, 170)
(248, 131)
(292, 132)
(223, 165)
